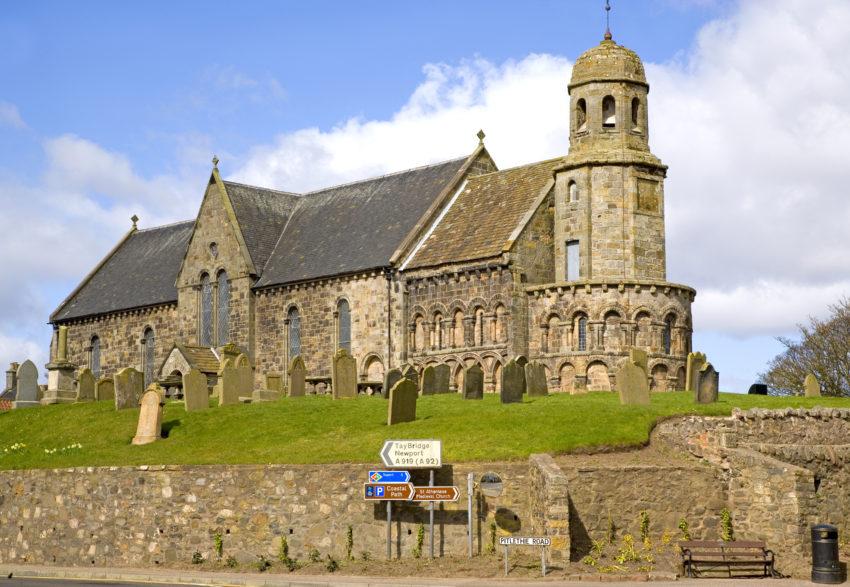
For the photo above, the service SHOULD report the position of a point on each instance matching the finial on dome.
(608, 35)
(480, 134)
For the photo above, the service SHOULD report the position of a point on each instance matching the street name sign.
(525, 541)
(412, 454)
(389, 476)
(439, 493)
(387, 491)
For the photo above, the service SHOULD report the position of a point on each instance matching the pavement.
(53, 576)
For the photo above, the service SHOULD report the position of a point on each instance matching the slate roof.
(482, 218)
(141, 272)
(199, 357)
(355, 226)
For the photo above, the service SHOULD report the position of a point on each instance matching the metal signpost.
(541, 541)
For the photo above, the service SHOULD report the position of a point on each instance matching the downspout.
(388, 273)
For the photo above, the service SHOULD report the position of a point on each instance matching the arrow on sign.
(439, 493)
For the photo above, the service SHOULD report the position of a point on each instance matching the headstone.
(274, 382)
(272, 390)
(129, 386)
(391, 377)
(632, 385)
(344, 375)
(409, 372)
(443, 378)
(402, 406)
(429, 381)
(473, 382)
(27, 383)
(85, 386)
(811, 386)
(535, 380)
(521, 360)
(11, 377)
(757, 389)
(228, 383)
(708, 383)
(513, 383)
(150, 416)
(639, 358)
(297, 373)
(104, 389)
(695, 362)
(196, 394)
(246, 376)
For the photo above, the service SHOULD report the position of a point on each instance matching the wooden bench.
(712, 556)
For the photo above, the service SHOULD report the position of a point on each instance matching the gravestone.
(708, 383)
(344, 375)
(149, 428)
(473, 382)
(632, 385)
(757, 389)
(429, 380)
(11, 378)
(60, 374)
(639, 358)
(129, 387)
(522, 361)
(104, 389)
(409, 372)
(695, 362)
(535, 379)
(225, 363)
(228, 383)
(274, 382)
(26, 380)
(443, 378)
(811, 386)
(513, 383)
(402, 406)
(391, 377)
(246, 376)
(297, 373)
(85, 386)
(196, 394)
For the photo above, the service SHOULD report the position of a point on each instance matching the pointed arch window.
(344, 325)
(95, 356)
(294, 318)
(206, 337)
(223, 312)
(609, 112)
(149, 349)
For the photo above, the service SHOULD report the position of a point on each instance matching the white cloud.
(10, 116)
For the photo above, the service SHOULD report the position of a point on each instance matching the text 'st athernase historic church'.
(561, 261)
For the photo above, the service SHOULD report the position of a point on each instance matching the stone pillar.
(62, 347)
(468, 331)
(544, 338)
(11, 377)
(550, 504)
(431, 334)
(60, 374)
(411, 338)
(488, 326)
(595, 338)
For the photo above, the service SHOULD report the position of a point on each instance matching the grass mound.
(317, 429)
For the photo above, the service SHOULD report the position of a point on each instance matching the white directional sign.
(525, 541)
(413, 454)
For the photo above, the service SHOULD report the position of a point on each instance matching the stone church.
(561, 261)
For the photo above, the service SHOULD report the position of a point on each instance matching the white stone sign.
(413, 454)
(525, 541)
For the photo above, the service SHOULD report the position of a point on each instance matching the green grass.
(319, 430)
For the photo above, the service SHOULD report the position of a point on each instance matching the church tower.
(610, 191)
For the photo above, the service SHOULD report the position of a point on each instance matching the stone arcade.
(561, 261)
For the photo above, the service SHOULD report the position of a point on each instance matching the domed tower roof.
(608, 62)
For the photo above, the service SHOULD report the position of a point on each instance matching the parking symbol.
(379, 491)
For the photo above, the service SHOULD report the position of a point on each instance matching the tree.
(823, 349)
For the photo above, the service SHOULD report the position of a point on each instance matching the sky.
(116, 108)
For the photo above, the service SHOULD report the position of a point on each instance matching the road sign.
(429, 493)
(389, 476)
(413, 454)
(525, 541)
(387, 491)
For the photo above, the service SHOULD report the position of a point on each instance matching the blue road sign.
(389, 476)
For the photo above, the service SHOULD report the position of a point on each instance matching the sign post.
(541, 541)
(431, 512)
(470, 487)
(390, 531)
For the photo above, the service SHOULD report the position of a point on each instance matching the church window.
(95, 356)
(581, 115)
(149, 346)
(635, 114)
(611, 331)
(206, 310)
(609, 112)
(223, 309)
(573, 261)
(344, 325)
(419, 334)
(581, 335)
(573, 189)
(294, 318)
(668, 334)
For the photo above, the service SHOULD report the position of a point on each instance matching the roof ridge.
(259, 187)
(161, 226)
(515, 167)
(385, 175)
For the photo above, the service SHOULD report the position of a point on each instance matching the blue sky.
(114, 108)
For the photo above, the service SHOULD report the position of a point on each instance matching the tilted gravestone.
(410, 372)
(149, 428)
(196, 394)
(695, 362)
(708, 383)
(632, 385)
(443, 378)
(344, 375)
(104, 389)
(513, 383)
(402, 406)
(535, 379)
(429, 380)
(811, 386)
(391, 377)
(129, 386)
(85, 386)
(27, 384)
(757, 389)
(473, 382)
(639, 358)
(228, 383)
(297, 372)
(246, 376)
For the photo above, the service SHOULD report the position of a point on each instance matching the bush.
(365, 556)
(491, 546)
(263, 564)
(726, 532)
(420, 540)
(349, 543)
(683, 526)
(331, 565)
(314, 555)
(218, 544)
(231, 562)
(197, 558)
